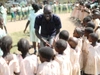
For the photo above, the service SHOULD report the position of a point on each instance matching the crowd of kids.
(21, 11)
(70, 55)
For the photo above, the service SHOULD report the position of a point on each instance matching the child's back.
(13, 63)
(74, 55)
(91, 67)
(63, 60)
(4, 69)
(28, 65)
(65, 64)
(49, 68)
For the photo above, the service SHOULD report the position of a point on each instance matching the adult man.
(50, 26)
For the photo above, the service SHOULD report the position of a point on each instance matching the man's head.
(47, 12)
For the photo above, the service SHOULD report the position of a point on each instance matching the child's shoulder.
(60, 58)
(2, 61)
(31, 58)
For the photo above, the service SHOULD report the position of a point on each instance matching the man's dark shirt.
(48, 28)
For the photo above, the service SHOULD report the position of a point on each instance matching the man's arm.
(26, 25)
(57, 31)
(39, 36)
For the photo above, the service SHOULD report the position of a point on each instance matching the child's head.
(73, 42)
(60, 46)
(1, 22)
(88, 5)
(23, 45)
(86, 20)
(35, 7)
(77, 32)
(64, 34)
(87, 31)
(96, 15)
(6, 44)
(90, 24)
(46, 54)
(93, 37)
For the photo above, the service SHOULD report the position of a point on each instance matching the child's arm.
(5, 29)
(97, 28)
(26, 25)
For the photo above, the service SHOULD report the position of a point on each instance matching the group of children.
(62, 7)
(83, 9)
(71, 55)
(21, 11)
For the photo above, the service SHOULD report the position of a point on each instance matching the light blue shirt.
(31, 18)
(2, 34)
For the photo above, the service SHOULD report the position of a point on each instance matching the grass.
(16, 36)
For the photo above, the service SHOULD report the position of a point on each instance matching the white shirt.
(49, 68)
(74, 56)
(91, 63)
(28, 65)
(97, 23)
(65, 64)
(14, 65)
(4, 69)
(2, 34)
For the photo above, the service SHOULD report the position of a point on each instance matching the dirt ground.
(20, 25)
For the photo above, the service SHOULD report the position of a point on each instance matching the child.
(11, 59)
(65, 64)
(86, 20)
(47, 66)
(74, 55)
(28, 63)
(78, 34)
(91, 67)
(91, 24)
(86, 10)
(96, 19)
(2, 32)
(31, 21)
(65, 36)
(12, 13)
(4, 69)
(87, 31)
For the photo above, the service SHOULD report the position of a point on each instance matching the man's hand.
(46, 43)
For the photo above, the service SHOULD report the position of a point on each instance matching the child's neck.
(78, 36)
(1, 27)
(61, 53)
(73, 47)
(5, 54)
(93, 43)
(24, 54)
(46, 60)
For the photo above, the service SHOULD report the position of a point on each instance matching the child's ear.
(53, 57)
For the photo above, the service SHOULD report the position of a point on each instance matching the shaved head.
(47, 12)
(48, 8)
